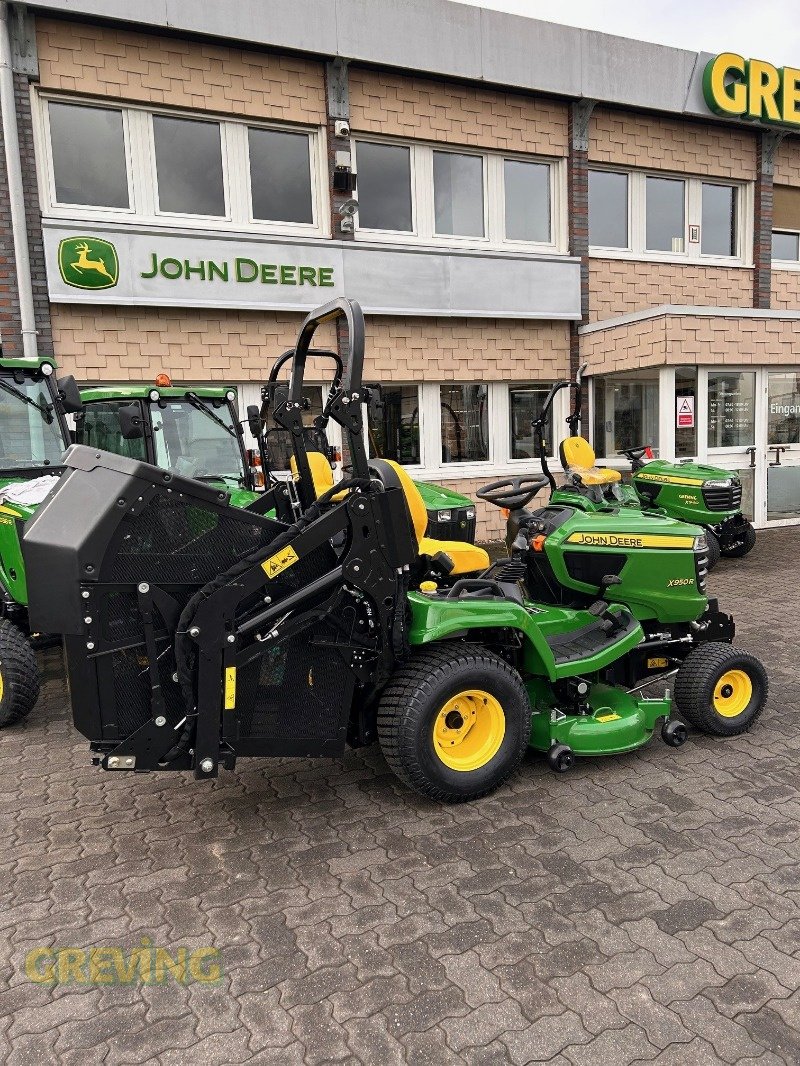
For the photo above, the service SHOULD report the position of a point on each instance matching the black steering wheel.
(512, 492)
(634, 453)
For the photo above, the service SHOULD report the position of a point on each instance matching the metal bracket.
(770, 139)
(22, 33)
(581, 113)
(338, 92)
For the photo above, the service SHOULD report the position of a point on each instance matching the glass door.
(734, 424)
(781, 457)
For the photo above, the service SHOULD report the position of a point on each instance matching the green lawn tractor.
(451, 516)
(33, 439)
(197, 633)
(706, 496)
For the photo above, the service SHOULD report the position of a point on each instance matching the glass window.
(189, 166)
(527, 200)
(685, 412)
(190, 441)
(718, 228)
(88, 148)
(280, 176)
(608, 209)
(786, 246)
(783, 420)
(625, 412)
(30, 434)
(525, 405)
(98, 427)
(731, 409)
(465, 423)
(665, 209)
(384, 186)
(393, 424)
(458, 194)
(279, 441)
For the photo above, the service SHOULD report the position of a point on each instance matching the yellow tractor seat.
(467, 558)
(577, 456)
(321, 474)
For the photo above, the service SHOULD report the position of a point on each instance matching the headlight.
(470, 514)
(154, 395)
(719, 484)
(47, 369)
(230, 395)
(445, 516)
(700, 543)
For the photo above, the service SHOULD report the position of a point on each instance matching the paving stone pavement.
(643, 908)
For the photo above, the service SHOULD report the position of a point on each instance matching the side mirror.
(70, 394)
(254, 420)
(130, 422)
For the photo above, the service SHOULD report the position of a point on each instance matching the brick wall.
(10, 325)
(625, 138)
(394, 105)
(619, 286)
(680, 339)
(123, 64)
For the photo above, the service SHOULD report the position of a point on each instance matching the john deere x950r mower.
(197, 633)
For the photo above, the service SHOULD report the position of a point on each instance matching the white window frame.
(422, 200)
(787, 264)
(693, 208)
(142, 174)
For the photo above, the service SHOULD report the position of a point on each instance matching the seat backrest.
(414, 501)
(576, 453)
(321, 471)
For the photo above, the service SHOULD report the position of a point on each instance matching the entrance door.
(734, 421)
(781, 461)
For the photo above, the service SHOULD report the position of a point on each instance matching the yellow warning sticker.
(230, 688)
(657, 664)
(668, 479)
(629, 540)
(280, 561)
(607, 717)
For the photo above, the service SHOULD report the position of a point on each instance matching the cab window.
(99, 428)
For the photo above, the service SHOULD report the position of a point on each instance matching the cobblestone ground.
(644, 908)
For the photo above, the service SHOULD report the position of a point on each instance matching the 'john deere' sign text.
(751, 88)
(239, 270)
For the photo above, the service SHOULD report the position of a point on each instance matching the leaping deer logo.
(83, 262)
(88, 262)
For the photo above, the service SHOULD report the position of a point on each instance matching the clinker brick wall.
(425, 109)
(625, 138)
(619, 286)
(678, 339)
(140, 67)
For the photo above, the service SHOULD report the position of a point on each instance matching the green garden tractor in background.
(197, 633)
(33, 438)
(706, 496)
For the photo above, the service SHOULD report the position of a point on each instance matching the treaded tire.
(714, 549)
(20, 675)
(697, 679)
(742, 546)
(409, 706)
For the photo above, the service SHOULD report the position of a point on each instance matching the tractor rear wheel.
(714, 549)
(740, 544)
(720, 689)
(19, 675)
(454, 722)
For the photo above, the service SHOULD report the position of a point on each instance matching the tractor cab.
(192, 431)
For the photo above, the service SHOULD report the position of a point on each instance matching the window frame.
(786, 264)
(423, 208)
(693, 193)
(141, 170)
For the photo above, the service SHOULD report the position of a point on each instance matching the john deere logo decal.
(88, 263)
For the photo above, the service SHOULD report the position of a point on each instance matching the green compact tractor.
(197, 633)
(33, 439)
(706, 496)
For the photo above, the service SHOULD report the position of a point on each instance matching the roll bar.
(573, 419)
(346, 397)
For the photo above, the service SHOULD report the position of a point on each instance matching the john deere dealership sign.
(752, 88)
(123, 265)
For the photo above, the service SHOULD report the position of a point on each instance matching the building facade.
(506, 198)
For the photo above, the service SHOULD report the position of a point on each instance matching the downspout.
(8, 118)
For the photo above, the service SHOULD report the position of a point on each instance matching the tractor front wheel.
(454, 722)
(721, 690)
(714, 549)
(742, 542)
(19, 675)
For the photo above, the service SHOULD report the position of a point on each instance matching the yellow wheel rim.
(468, 730)
(733, 693)
(2, 686)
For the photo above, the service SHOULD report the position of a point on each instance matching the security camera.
(341, 128)
(348, 208)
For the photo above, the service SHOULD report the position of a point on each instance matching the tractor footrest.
(586, 641)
